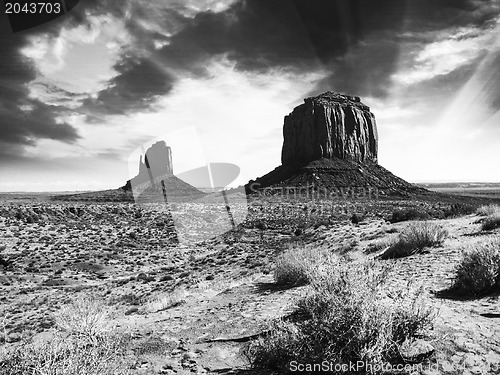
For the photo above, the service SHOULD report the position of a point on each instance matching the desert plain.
(194, 308)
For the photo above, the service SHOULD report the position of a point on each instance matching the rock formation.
(327, 126)
(155, 180)
(331, 142)
(157, 164)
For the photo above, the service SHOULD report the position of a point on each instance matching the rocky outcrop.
(156, 179)
(157, 163)
(331, 143)
(329, 126)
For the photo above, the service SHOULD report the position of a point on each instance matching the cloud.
(417, 50)
(34, 104)
(258, 36)
(268, 34)
(134, 89)
(355, 42)
(460, 47)
(364, 70)
(24, 119)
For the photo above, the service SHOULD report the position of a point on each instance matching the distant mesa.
(156, 172)
(331, 141)
(155, 164)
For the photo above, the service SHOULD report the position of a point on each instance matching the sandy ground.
(203, 302)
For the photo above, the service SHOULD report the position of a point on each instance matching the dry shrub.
(491, 222)
(164, 302)
(297, 265)
(68, 355)
(488, 210)
(152, 345)
(415, 238)
(409, 214)
(86, 315)
(457, 210)
(478, 273)
(346, 318)
(82, 344)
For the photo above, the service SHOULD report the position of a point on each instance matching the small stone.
(416, 350)
(14, 337)
(169, 365)
(166, 278)
(189, 355)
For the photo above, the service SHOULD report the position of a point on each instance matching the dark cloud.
(364, 70)
(142, 74)
(354, 40)
(134, 89)
(23, 120)
(257, 35)
(357, 41)
(441, 14)
(264, 34)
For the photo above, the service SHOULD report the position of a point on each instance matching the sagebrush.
(82, 344)
(491, 222)
(68, 355)
(478, 272)
(488, 210)
(297, 265)
(346, 318)
(415, 239)
(86, 315)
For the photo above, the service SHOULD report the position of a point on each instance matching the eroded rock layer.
(329, 126)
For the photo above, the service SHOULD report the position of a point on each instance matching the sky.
(80, 95)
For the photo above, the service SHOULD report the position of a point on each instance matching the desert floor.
(201, 303)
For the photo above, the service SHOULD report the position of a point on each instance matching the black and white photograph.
(249, 187)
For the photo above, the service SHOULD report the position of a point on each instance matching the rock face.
(159, 160)
(331, 143)
(156, 173)
(329, 126)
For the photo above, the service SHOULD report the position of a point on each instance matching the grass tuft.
(414, 239)
(487, 210)
(345, 319)
(67, 355)
(459, 209)
(491, 222)
(478, 273)
(86, 315)
(164, 302)
(81, 344)
(297, 265)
